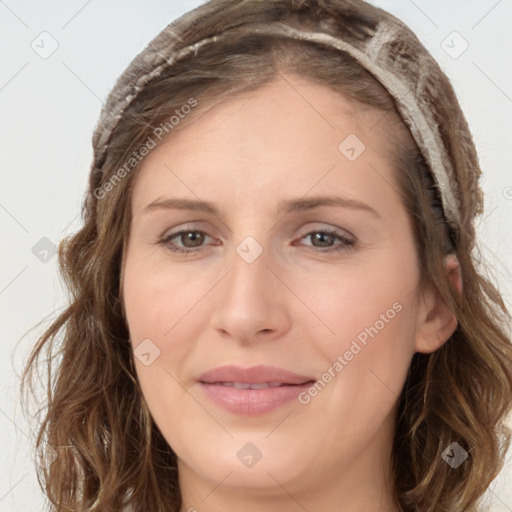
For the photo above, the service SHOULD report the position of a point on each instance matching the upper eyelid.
(193, 226)
(186, 228)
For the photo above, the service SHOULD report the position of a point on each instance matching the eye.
(192, 239)
(326, 237)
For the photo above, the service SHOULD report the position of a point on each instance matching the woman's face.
(231, 335)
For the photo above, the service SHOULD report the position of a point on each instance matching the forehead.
(287, 134)
(286, 102)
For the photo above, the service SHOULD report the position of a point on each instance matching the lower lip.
(252, 402)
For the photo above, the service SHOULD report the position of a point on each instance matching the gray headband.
(372, 54)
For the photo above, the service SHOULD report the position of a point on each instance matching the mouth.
(252, 391)
(247, 385)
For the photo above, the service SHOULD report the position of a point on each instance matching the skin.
(295, 306)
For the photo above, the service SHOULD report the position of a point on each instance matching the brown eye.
(326, 238)
(190, 239)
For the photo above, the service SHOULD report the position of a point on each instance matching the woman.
(275, 301)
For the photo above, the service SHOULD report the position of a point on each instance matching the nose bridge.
(249, 301)
(249, 274)
(249, 277)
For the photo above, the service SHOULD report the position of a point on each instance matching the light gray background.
(48, 111)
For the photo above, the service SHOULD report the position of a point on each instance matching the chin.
(245, 464)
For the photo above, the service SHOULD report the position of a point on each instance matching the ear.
(436, 323)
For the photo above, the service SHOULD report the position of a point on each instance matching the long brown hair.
(109, 451)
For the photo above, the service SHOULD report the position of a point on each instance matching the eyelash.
(347, 243)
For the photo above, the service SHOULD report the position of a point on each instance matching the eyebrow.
(284, 206)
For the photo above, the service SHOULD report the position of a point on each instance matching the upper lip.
(253, 375)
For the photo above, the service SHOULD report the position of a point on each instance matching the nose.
(251, 300)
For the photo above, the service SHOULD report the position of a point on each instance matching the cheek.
(168, 305)
(371, 314)
(366, 303)
(160, 309)
(159, 299)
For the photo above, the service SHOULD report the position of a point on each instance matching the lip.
(252, 402)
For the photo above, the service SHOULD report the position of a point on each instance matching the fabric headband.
(160, 54)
